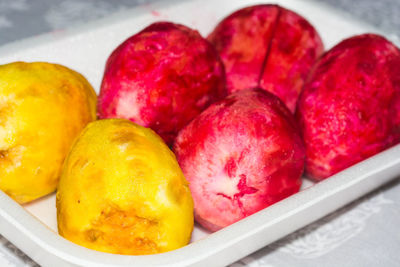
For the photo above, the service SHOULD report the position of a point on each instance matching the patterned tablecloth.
(365, 233)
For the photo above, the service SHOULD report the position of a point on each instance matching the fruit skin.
(43, 107)
(240, 155)
(162, 78)
(267, 46)
(122, 191)
(350, 108)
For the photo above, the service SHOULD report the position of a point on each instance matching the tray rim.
(15, 216)
(59, 35)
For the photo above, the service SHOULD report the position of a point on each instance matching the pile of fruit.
(190, 128)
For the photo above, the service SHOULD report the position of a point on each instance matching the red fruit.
(267, 46)
(161, 78)
(350, 108)
(240, 155)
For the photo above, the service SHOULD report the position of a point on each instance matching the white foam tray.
(33, 227)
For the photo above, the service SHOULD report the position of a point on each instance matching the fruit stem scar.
(269, 47)
(244, 189)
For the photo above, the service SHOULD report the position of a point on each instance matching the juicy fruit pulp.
(240, 155)
(43, 108)
(162, 78)
(269, 47)
(122, 191)
(350, 108)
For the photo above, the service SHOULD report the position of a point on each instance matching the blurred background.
(23, 18)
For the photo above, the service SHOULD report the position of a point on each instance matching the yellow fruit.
(43, 107)
(122, 191)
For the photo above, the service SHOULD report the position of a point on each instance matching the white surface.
(86, 51)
